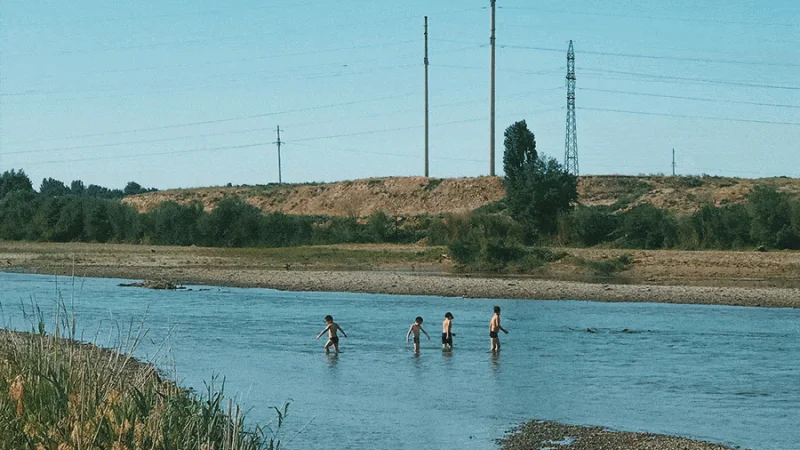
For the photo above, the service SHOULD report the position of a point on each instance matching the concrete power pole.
(278, 143)
(426, 96)
(491, 94)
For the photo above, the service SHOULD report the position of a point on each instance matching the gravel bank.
(539, 435)
(483, 287)
(449, 285)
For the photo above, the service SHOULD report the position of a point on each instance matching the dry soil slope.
(409, 196)
(396, 196)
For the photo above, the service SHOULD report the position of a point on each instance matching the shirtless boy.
(494, 327)
(447, 334)
(415, 328)
(333, 339)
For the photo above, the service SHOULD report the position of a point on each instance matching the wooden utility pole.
(673, 162)
(278, 143)
(491, 94)
(426, 96)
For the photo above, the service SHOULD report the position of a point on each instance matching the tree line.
(540, 207)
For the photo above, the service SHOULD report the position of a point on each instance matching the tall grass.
(57, 393)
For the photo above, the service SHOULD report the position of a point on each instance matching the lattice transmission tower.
(571, 145)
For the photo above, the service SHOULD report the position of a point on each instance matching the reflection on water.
(332, 358)
(495, 359)
(722, 374)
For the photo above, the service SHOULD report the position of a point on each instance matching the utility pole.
(278, 143)
(426, 96)
(491, 94)
(673, 162)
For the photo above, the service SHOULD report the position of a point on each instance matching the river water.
(729, 375)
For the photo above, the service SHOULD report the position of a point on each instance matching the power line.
(366, 152)
(180, 14)
(140, 155)
(696, 80)
(675, 19)
(210, 39)
(275, 56)
(259, 144)
(686, 116)
(205, 122)
(656, 57)
(702, 99)
(278, 75)
(251, 130)
(526, 72)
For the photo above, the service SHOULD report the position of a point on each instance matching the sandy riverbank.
(668, 277)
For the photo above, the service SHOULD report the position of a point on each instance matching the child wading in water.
(447, 334)
(415, 328)
(333, 339)
(494, 327)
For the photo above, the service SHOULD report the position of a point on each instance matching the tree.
(233, 223)
(77, 188)
(772, 218)
(134, 188)
(537, 189)
(17, 210)
(53, 188)
(14, 181)
(520, 153)
(175, 224)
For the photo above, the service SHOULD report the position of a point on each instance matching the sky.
(189, 93)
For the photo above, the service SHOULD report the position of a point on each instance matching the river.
(729, 375)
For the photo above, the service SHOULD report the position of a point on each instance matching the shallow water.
(724, 374)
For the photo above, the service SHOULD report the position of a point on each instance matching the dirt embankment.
(411, 196)
(399, 196)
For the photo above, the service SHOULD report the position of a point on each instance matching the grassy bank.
(59, 394)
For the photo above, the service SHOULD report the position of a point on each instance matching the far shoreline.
(759, 279)
(442, 285)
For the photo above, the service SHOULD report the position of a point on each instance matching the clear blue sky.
(188, 93)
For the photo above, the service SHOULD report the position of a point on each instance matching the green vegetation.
(769, 219)
(493, 243)
(59, 394)
(540, 207)
(538, 189)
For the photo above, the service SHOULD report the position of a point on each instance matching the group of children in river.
(447, 334)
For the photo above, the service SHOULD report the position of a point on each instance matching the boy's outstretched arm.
(323, 331)
(343, 333)
(426, 333)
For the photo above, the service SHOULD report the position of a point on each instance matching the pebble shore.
(540, 435)
(485, 287)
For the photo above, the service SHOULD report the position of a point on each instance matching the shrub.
(648, 227)
(591, 225)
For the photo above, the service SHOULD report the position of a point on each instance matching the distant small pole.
(491, 92)
(673, 162)
(426, 96)
(278, 143)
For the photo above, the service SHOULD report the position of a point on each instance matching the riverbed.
(719, 373)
